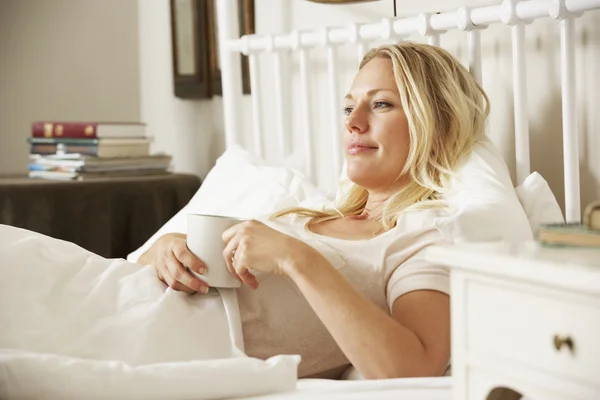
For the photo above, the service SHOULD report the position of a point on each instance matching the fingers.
(187, 258)
(242, 273)
(173, 284)
(231, 246)
(181, 288)
(235, 263)
(249, 279)
(232, 232)
(179, 278)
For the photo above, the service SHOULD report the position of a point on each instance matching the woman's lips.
(358, 149)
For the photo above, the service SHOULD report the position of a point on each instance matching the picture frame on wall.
(196, 70)
(189, 38)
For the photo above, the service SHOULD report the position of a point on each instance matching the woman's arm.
(414, 341)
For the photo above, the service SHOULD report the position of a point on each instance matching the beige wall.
(64, 59)
(190, 130)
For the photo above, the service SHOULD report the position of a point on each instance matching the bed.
(290, 166)
(286, 132)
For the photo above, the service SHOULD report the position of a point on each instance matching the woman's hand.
(253, 245)
(170, 256)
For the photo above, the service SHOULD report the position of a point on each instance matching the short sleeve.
(416, 273)
(405, 266)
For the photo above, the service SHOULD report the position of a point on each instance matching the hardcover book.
(86, 163)
(569, 235)
(88, 130)
(91, 147)
(85, 176)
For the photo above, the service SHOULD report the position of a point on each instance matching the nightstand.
(110, 217)
(525, 317)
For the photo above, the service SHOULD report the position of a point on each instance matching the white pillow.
(483, 203)
(240, 185)
(539, 202)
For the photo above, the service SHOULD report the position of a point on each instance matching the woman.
(349, 286)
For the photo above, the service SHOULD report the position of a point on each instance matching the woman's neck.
(374, 207)
(376, 201)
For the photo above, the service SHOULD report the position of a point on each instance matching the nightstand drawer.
(546, 329)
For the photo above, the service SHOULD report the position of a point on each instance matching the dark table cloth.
(110, 217)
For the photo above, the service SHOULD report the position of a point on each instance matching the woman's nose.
(356, 121)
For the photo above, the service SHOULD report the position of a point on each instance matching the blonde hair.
(446, 110)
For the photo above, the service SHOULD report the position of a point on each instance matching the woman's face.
(376, 139)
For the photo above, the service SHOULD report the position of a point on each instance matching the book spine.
(66, 141)
(53, 168)
(64, 130)
(49, 148)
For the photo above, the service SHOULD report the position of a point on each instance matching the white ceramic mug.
(204, 239)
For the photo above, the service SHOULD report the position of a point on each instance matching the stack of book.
(82, 151)
(586, 234)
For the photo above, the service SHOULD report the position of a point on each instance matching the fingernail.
(202, 270)
(204, 289)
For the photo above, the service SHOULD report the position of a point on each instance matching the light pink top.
(276, 319)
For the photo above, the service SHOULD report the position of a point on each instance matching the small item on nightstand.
(574, 234)
(591, 215)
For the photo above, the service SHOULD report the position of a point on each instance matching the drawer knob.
(560, 341)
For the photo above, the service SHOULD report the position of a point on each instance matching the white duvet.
(75, 325)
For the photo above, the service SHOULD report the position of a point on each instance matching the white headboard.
(277, 111)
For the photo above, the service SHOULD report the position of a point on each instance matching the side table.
(110, 217)
(524, 317)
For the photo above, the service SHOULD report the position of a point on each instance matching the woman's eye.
(347, 110)
(381, 104)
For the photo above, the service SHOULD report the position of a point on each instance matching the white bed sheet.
(397, 389)
(74, 325)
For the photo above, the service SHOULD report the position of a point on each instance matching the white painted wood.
(257, 120)
(474, 52)
(573, 269)
(361, 50)
(306, 113)
(458, 336)
(231, 70)
(533, 384)
(508, 301)
(336, 122)
(480, 16)
(280, 111)
(520, 102)
(434, 40)
(569, 117)
(518, 322)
